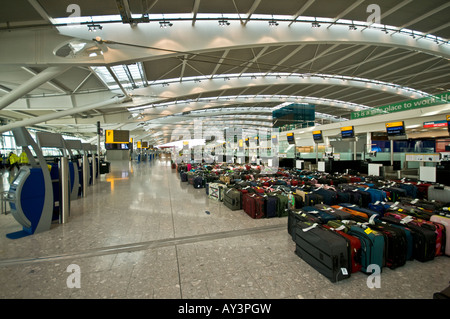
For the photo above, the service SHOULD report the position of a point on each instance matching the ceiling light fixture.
(165, 24)
(315, 24)
(273, 22)
(94, 27)
(223, 23)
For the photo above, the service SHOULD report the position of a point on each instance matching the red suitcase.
(249, 205)
(260, 206)
(355, 247)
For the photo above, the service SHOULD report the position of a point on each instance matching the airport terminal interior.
(234, 149)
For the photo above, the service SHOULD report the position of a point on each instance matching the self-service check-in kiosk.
(60, 174)
(31, 194)
(87, 160)
(75, 165)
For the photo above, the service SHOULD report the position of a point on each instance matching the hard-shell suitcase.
(324, 250)
(355, 249)
(372, 244)
(424, 239)
(445, 221)
(232, 199)
(183, 176)
(438, 228)
(395, 244)
(439, 193)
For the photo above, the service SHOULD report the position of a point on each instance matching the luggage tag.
(407, 219)
(372, 219)
(344, 271)
(311, 227)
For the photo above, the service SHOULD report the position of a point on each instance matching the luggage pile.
(338, 239)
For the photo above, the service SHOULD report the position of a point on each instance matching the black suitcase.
(105, 167)
(324, 250)
(312, 199)
(424, 239)
(198, 182)
(183, 176)
(395, 244)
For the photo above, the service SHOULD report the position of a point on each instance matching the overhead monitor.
(347, 132)
(317, 136)
(117, 136)
(290, 138)
(395, 128)
(274, 139)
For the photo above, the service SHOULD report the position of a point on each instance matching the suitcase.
(366, 211)
(216, 191)
(322, 215)
(444, 294)
(445, 221)
(329, 196)
(355, 249)
(249, 205)
(424, 239)
(282, 204)
(312, 199)
(296, 215)
(396, 245)
(183, 176)
(199, 182)
(232, 199)
(324, 250)
(439, 230)
(349, 209)
(271, 206)
(439, 193)
(260, 206)
(373, 247)
(339, 214)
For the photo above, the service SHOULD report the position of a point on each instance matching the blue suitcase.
(372, 244)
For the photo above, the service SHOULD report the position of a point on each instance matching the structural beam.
(31, 84)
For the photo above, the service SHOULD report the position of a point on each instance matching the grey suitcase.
(439, 193)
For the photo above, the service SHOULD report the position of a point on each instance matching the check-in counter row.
(41, 192)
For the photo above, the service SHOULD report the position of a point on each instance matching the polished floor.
(140, 233)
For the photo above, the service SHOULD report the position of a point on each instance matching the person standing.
(23, 158)
(13, 161)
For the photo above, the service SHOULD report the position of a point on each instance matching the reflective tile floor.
(141, 233)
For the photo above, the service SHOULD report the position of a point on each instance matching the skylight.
(130, 76)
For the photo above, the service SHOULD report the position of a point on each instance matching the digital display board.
(395, 128)
(117, 136)
(347, 132)
(290, 138)
(317, 136)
